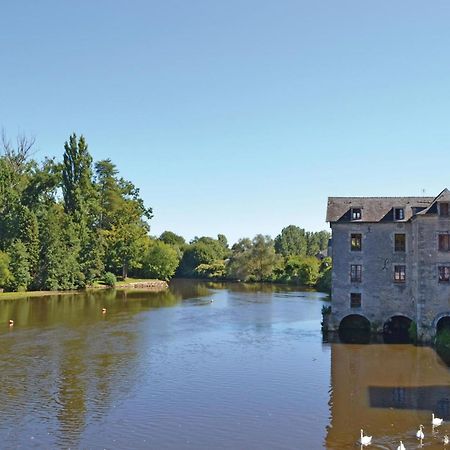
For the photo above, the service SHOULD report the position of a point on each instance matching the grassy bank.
(27, 294)
(129, 283)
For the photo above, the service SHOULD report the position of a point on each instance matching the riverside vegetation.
(72, 223)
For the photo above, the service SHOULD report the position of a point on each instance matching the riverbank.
(148, 285)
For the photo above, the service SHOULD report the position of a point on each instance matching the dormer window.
(399, 214)
(443, 209)
(356, 213)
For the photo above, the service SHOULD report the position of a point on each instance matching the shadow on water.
(425, 398)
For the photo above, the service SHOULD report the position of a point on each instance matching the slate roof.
(375, 209)
(444, 196)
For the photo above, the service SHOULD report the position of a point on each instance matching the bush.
(5, 274)
(110, 279)
(412, 332)
(160, 261)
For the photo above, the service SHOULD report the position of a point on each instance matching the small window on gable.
(355, 300)
(356, 213)
(443, 209)
(399, 214)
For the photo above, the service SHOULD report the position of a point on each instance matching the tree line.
(72, 223)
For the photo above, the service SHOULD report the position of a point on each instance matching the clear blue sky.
(238, 116)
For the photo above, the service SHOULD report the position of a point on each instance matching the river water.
(174, 370)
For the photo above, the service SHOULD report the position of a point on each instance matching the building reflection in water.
(388, 390)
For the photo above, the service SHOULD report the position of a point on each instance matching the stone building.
(391, 260)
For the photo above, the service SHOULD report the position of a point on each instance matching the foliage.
(5, 274)
(160, 261)
(324, 281)
(302, 270)
(412, 332)
(213, 271)
(291, 241)
(294, 240)
(204, 250)
(169, 237)
(101, 224)
(20, 267)
(110, 279)
(254, 260)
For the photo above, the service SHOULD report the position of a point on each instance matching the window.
(355, 300)
(399, 274)
(400, 243)
(443, 209)
(444, 242)
(356, 241)
(355, 273)
(444, 274)
(399, 214)
(356, 213)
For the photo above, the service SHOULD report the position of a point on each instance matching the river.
(175, 370)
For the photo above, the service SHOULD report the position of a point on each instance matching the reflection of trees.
(64, 355)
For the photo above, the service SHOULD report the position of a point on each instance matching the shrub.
(110, 279)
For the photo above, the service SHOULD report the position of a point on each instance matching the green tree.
(160, 261)
(291, 241)
(316, 242)
(203, 250)
(302, 270)
(215, 271)
(254, 260)
(123, 219)
(5, 274)
(19, 266)
(169, 237)
(59, 268)
(77, 184)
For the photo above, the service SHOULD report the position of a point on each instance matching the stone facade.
(391, 257)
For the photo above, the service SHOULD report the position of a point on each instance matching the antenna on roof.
(423, 191)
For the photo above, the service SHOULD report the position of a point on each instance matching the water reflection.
(387, 390)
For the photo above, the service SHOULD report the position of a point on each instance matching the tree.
(169, 237)
(59, 268)
(123, 219)
(19, 266)
(302, 270)
(291, 241)
(316, 242)
(254, 260)
(77, 184)
(160, 261)
(5, 274)
(203, 250)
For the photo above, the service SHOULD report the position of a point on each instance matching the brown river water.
(174, 370)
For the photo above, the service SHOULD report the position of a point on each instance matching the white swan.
(419, 434)
(401, 446)
(435, 421)
(365, 440)
(445, 440)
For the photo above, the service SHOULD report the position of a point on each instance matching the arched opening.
(443, 338)
(354, 329)
(443, 324)
(398, 330)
